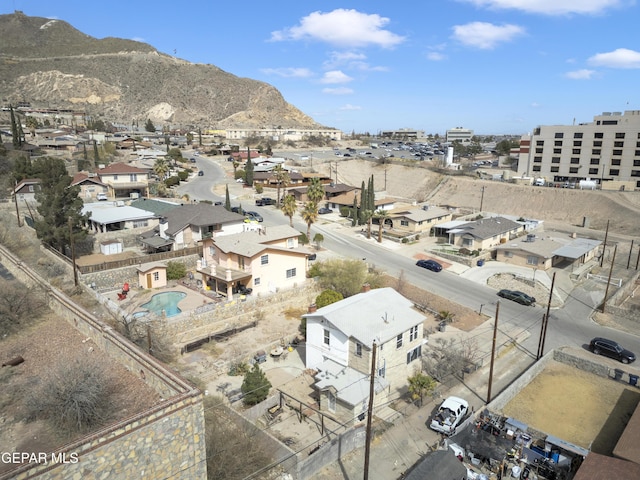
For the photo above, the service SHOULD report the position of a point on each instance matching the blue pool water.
(167, 301)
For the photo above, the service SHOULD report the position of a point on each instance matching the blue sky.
(495, 66)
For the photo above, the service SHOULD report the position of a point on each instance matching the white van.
(102, 197)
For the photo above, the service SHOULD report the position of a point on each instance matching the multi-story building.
(463, 135)
(606, 150)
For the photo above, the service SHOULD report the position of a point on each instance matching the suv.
(264, 201)
(609, 348)
(450, 414)
(101, 197)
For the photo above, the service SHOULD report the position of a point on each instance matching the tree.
(149, 126)
(281, 177)
(227, 199)
(289, 207)
(161, 168)
(248, 171)
(318, 238)
(309, 215)
(58, 202)
(18, 305)
(421, 385)
(15, 134)
(176, 270)
(345, 276)
(96, 155)
(255, 386)
(381, 215)
(189, 138)
(315, 191)
(328, 297)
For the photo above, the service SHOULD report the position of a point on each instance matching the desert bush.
(175, 270)
(19, 306)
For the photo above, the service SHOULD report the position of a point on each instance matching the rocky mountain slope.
(51, 64)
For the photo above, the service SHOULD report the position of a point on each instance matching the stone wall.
(166, 441)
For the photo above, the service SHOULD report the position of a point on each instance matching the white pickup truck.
(449, 415)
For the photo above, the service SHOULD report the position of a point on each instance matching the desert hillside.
(622, 209)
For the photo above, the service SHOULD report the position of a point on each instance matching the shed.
(152, 275)
(111, 247)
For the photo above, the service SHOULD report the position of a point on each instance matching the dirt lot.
(577, 406)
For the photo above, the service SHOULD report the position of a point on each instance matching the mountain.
(50, 64)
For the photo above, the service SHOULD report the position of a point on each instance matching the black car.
(200, 173)
(253, 216)
(518, 297)
(324, 211)
(265, 201)
(429, 265)
(609, 348)
(237, 210)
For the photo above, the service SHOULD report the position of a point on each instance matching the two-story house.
(90, 185)
(263, 259)
(26, 189)
(123, 180)
(339, 345)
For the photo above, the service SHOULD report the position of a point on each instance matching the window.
(536, 168)
(610, 122)
(115, 177)
(290, 243)
(598, 135)
(577, 135)
(264, 259)
(382, 371)
(614, 172)
(593, 171)
(414, 354)
(555, 169)
(616, 152)
(256, 281)
(577, 143)
(595, 151)
(291, 273)
(595, 161)
(140, 223)
(636, 163)
(156, 276)
(576, 151)
(327, 337)
(597, 143)
(557, 150)
(31, 188)
(358, 349)
(133, 177)
(559, 135)
(555, 159)
(537, 159)
(508, 254)
(212, 251)
(573, 170)
(575, 160)
(413, 333)
(619, 134)
(399, 341)
(539, 150)
(618, 144)
(532, 260)
(637, 153)
(635, 173)
(540, 143)
(404, 223)
(615, 161)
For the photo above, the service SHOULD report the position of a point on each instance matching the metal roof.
(106, 213)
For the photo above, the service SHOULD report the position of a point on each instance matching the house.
(260, 258)
(90, 185)
(340, 339)
(152, 275)
(482, 234)
(267, 178)
(347, 199)
(123, 180)
(26, 189)
(116, 216)
(419, 219)
(544, 251)
(187, 225)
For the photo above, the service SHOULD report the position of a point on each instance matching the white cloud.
(583, 74)
(620, 58)
(348, 106)
(535, 105)
(436, 56)
(335, 76)
(288, 72)
(552, 7)
(485, 35)
(341, 27)
(351, 60)
(338, 91)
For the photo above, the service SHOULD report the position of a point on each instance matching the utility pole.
(493, 350)
(15, 197)
(604, 245)
(73, 253)
(630, 251)
(481, 199)
(545, 321)
(606, 291)
(367, 447)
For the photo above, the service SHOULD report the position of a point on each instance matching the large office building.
(606, 151)
(460, 134)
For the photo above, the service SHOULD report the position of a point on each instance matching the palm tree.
(161, 168)
(381, 215)
(289, 207)
(282, 178)
(315, 191)
(309, 215)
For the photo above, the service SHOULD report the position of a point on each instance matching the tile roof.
(251, 243)
(118, 168)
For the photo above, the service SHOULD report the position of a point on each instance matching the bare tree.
(19, 305)
(454, 356)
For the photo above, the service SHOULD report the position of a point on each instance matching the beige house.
(25, 190)
(340, 339)
(543, 251)
(483, 234)
(123, 180)
(263, 259)
(90, 185)
(152, 275)
(419, 219)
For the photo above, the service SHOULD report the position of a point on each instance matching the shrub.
(259, 188)
(172, 181)
(327, 298)
(175, 270)
(183, 175)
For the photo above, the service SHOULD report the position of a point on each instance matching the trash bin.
(480, 263)
(442, 326)
(618, 374)
(633, 380)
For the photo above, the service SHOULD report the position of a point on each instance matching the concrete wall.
(166, 441)
(331, 452)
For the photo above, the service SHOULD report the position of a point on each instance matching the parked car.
(611, 349)
(236, 210)
(242, 290)
(218, 203)
(518, 297)
(324, 211)
(200, 173)
(253, 216)
(192, 160)
(450, 414)
(265, 201)
(101, 197)
(429, 265)
(312, 256)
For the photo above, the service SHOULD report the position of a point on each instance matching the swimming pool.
(166, 301)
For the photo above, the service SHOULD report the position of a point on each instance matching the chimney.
(312, 308)
(366, 287)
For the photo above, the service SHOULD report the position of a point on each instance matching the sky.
(493, 66)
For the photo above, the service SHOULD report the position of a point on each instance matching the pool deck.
(138, 297)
